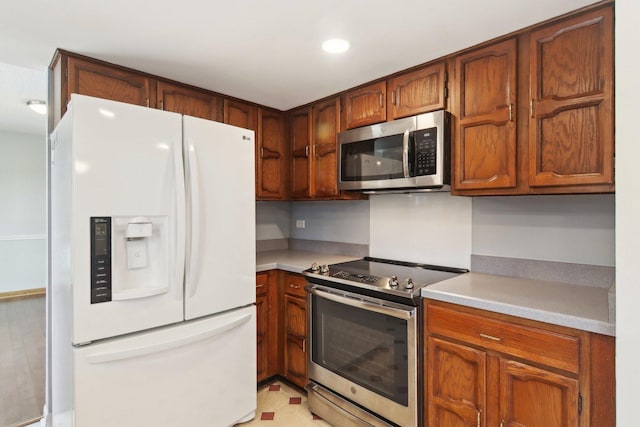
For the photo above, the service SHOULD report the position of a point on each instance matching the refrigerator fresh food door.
(219, 170)
(128, 213)
(196, 374)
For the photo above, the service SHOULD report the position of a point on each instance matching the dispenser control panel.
(100, 259)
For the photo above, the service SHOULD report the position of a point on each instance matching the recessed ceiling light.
(38, 106)
(335, 46)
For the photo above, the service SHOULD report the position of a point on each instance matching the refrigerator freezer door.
(127, 168)
(197, 374)
(220, 170)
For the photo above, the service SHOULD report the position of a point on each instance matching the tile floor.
(283, 406)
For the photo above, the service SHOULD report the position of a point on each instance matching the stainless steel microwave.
(404, 155)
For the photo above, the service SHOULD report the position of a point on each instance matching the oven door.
(365, 350)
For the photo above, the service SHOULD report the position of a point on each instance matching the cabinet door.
(535, 397)
(109, 82)
(366, 106)
(326, 125)
(295, 323)
(270, 157)
(240, 114)
(571, 123)
(484, 146)
(417, 92)
(262, 335)
(300, 123)
(456, 390)
(188, 101)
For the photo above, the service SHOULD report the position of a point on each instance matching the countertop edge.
(585, 324)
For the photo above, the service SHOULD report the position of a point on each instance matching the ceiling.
(265, 51)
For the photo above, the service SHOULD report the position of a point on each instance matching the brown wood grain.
(366, 105)
(417, 92)
(300, 125)
(241, 114)
(191, 102)
(295, 357)
(326, 125)
(271, 156)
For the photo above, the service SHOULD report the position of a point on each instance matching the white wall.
(272, 220)
(432, 228)
(627, 212)
(23, 213)
(576, 229)
(345, 221)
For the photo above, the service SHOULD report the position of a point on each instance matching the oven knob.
(393, 282)
(314, 267)
(409, 284)
(324, 269)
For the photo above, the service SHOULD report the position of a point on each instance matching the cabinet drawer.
(294, 285)
(262, 281)
(538, 345)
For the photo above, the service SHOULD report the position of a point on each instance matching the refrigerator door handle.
(195, 221)
(131, 352)
(180, 214)
(139, 293)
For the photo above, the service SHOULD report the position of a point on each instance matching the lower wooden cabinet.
(295, 330)
(487, 369)
(281, 337)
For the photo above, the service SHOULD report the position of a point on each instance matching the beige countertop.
(574, 306)
(296, 261)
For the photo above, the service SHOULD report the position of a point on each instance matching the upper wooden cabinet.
(548, 129)
(417, 92)
(188, 101)
(271, 157)
(241, 114)
(571, 108)
(301, 141)
(87, 77)
(366, 105)
(484, 144)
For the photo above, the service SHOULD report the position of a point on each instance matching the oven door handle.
(358, 302)
(405, 154)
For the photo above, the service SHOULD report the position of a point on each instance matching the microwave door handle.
(405, 154)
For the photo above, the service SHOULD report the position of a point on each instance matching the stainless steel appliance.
(364, 346)
(405, 155)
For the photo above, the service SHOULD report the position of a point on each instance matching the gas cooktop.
(387, 279)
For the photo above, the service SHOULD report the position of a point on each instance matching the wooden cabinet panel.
(262, 336)
(417, 92)
(109, 82)
(366, 106)
(546, 347)
(300, 125)
(456, 384)
(188, 101)
(271, 162)
(536, 397)
(295, 360)
(268, 351)
(484, 146)
(571, 125)
(240, 114)
(294, 285)
(326, 125)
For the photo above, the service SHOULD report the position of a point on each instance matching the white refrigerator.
(153, 269)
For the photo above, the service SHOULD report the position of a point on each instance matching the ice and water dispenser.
(129, 257)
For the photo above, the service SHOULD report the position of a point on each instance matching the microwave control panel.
(100, 259)
(425, 142)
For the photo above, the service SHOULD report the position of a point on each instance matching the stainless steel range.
(364, 327)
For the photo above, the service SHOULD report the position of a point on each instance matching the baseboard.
(24, 293)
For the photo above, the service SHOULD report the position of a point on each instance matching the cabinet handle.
(306, 151)
(510, 112)
(315, 150)
(381, 100)
(304, 345)
(478, 418)
(490, 337)
(501, 423)
(261, 152)
(291, 285)
(147, 101)
(261, 285)
(161, 104)
(531, 107)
